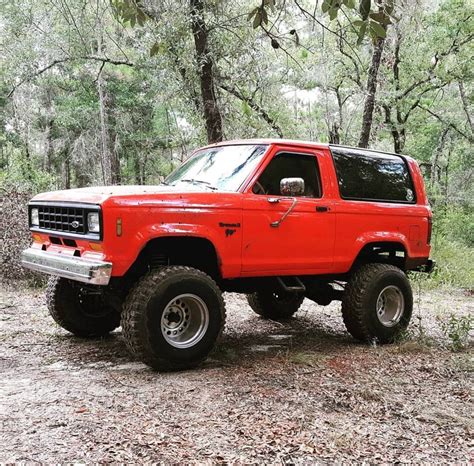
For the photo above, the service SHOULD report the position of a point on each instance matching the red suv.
(277, 220)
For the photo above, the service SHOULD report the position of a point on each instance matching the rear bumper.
(74, 268)
(427, 267)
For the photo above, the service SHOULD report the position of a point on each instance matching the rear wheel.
(81, 309)
(377, 303)
(173, 317)
(274, 305)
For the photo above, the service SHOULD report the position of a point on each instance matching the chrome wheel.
(185, 321)
(390, 306)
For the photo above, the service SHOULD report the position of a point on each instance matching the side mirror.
(292, 187)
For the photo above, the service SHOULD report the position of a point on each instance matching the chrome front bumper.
(74, 268)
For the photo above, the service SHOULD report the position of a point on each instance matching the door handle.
(322, 208)
(277, 223)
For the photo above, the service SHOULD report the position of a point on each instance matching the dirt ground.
(300, 391)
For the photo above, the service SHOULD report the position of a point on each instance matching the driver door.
(303, 242)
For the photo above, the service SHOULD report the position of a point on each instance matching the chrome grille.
(60, 218)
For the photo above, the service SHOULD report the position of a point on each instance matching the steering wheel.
(258, 188)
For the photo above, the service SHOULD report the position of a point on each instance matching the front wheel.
(173, 317)
(377, 303)
(81, 309)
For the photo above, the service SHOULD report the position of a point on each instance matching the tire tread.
(137, 300)
(353, 310)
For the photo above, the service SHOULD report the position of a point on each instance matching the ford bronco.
(277, 220)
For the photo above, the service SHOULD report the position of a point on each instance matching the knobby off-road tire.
(377, 303)
(274, 305)
(77, 312)
(173, 317)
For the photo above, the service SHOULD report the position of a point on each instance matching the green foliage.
(452, 249)
(457, 329)
(307, 81)
(453, 265)
(373, 17)
(23, 177)
(129, 11)
(455, 223)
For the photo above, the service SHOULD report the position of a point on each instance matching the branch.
(255, 106)
(316, 20)
(357, 79)
(39, 72)
(288, 54)
(447, 123)
(465, 105)
(454, 47)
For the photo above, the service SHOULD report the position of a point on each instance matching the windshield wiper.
(194, 181)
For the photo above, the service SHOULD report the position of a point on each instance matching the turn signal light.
(119, 227)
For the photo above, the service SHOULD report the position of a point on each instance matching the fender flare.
(175, 230)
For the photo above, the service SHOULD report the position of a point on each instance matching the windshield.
(222, 168)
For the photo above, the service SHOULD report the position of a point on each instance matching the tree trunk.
(212, 115)
(334, 129)
(370, 96)
(48, 128)
(435, 168)
(334, 137)
(49, 145)
(104, 134)
(109, 160)
(67, 169)
(465, 105)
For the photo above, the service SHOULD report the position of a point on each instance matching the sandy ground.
(300, 391)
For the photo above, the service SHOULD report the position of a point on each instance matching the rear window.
(372, 176)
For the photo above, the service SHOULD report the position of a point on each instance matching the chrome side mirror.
(292, 187)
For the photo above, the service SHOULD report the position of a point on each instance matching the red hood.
(140, 196)
(99, 194)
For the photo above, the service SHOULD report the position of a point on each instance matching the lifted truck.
(278, 220)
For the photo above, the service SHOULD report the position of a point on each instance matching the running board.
(291, 284)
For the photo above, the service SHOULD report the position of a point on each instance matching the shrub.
(457, 329)
(14, 233)
(453, 265)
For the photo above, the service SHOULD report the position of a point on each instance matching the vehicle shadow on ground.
(251, 342)
(298, 334)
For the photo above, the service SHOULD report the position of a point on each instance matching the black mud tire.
(77, 314)
(359, 303)
(144, 308)
(274, 306)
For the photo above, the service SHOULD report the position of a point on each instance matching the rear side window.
(373, 176)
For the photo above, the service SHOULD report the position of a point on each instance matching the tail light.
(430, 228)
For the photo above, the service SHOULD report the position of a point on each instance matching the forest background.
(98, 92)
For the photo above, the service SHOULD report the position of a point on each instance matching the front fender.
(124, 250)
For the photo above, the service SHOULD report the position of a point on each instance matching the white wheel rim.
(390, 306)
(184, 321)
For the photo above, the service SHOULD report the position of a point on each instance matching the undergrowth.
(454, 267)
(457, 329)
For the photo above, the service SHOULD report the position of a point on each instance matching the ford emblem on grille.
(75, 224)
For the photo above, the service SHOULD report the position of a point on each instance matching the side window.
(373, 177)
(287, 165)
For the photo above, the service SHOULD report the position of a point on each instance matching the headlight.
(93, 224)
(34, 218)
